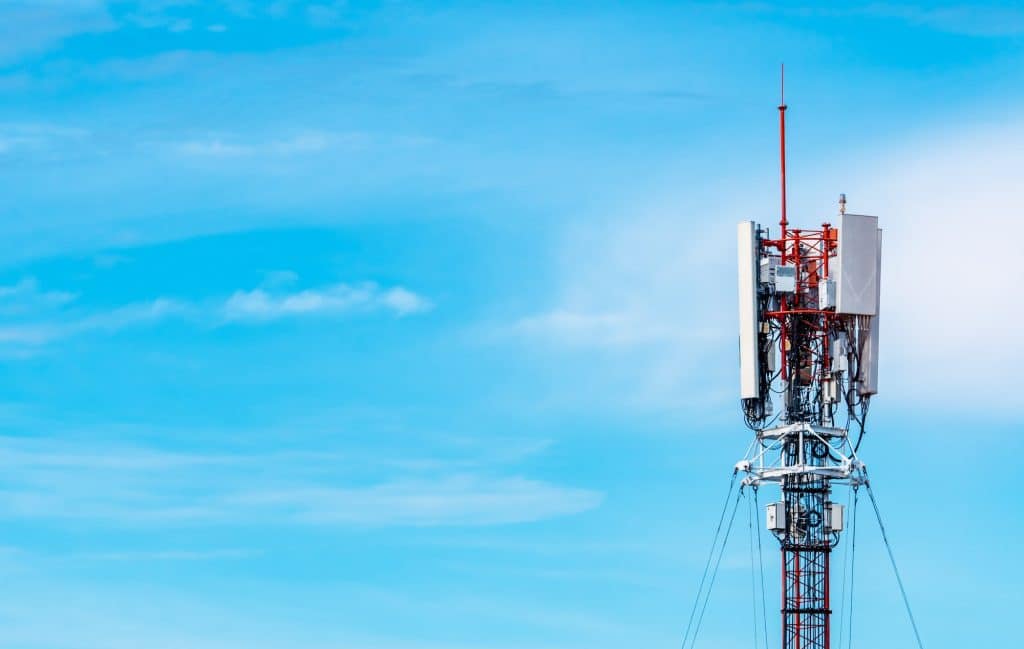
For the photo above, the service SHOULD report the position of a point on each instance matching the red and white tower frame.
(808, 309)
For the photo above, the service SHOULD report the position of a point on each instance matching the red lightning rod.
(782, 149)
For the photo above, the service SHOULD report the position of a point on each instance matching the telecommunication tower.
(808, 317)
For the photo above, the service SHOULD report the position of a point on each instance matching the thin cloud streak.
(453, 500)
(172, 555)
(607, 329)
(224, 148)
(461, 500)
(305, 143)
(148, 487)
(52, 323)
(639, 310)
(964, 19)
(259, 304)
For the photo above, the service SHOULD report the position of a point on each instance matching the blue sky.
(411, 325)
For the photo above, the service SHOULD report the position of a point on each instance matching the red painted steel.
(782, 150)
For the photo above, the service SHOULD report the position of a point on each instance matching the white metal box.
(826, 294)
(834, 514)
(857, 265)
(750, 374)
(775, 517)
(785, 279)
(768, 266)
(829, 391)
(840, 363)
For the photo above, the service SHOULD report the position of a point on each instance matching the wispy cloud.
(227, 148)
(642, 306)
(42, 141)
(955, 18)
(171, 555)
(304, 143)
(607, 329)
(967, 19)
(48, 316)
(453, 500)
(168, 15)
(140, 486)
(32, 27)
(40, 332)
(259, 304)
(26, 295)
(939, 216)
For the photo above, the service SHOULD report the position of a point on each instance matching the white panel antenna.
(750, 371)
(868, 369)
(856, 268)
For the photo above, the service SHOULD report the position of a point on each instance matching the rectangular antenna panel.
(750, 375)
(857, 265)
(868, 379)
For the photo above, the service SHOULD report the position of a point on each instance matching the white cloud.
(260, 304)
(42, 140)
(952, 265)
(453, 500)
(109, 260)
(42, 332)
(31, 27)
(130, 315)
(45, 317)
(653, 297)
(171, 555)
(608, 329)
(965, 18)
(141, 486)
(405, 302)
(299, 144)
(213, 148)
(304, 143)
(279, 279)
(25, 294)
(641, 307)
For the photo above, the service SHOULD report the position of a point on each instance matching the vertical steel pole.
(783, 223)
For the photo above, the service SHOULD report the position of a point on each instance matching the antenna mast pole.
(783, 223)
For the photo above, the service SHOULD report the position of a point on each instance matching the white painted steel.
(835, 517)
(785, 278)
(826, 294)
(868, 379)
(846, 467)
(750, 374)
(857, 265)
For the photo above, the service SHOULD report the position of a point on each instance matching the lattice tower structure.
(809, 301)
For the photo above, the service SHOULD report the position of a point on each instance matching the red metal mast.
(782, 151)
(805, 328)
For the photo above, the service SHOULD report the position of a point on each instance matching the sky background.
(412, 325)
